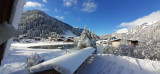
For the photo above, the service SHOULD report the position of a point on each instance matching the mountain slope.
(36, 23)
(142, 32)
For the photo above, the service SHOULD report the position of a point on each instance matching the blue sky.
(102, 16)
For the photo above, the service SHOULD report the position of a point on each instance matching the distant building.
(133, 42)
(69, 40)
(37, 38)
(62, 37)
(50, 39)
(115, 42)
(30, 37)
(16, 39)
(70, 37)
(25, 37)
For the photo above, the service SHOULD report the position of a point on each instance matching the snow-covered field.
(14, 63)
(110, 64)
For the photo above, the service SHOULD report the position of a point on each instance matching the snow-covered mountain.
(124, 30)
(146, 31)
(36, 23)
(142, 26)
(143, 32)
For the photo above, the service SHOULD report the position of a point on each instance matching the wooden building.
(16, 39)
(62, 37)
(37, 38)
(30, 37)
(70, 37)
(69, 40)
(116, 42)
(133, 42)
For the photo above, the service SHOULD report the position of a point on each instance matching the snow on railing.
(66, 64)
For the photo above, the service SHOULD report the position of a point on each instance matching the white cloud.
(89, 6)
(33, 4)
(69, 3)
(45, 1)
(59, 17)
(153, 17)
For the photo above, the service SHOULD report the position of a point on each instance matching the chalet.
(132, 42)
(115, 42)
(70, 37)
(69, 40)
(16, 39)
(62, 37)
(24, 37)
(30, 37)
(50, 38)
(37, 38)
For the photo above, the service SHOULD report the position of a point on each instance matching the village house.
(16, 39)
(37, 38)
(30, 37)
(70, 37)
(69, 40)
(132, 42)
(62, 37)
(50, 39)
(25, 37)
(115, 43)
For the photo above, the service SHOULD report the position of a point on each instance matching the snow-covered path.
(110, 64)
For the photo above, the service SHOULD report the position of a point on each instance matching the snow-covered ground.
(15, 61)
(110, 64)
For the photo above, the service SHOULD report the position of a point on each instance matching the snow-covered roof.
(66, 64)
(115, 40)
(132, 40)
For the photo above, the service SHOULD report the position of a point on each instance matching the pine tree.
(87, 39)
